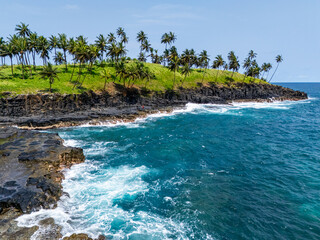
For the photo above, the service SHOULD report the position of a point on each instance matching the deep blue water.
(248, 171)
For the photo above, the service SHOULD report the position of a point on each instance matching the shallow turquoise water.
(248, 171)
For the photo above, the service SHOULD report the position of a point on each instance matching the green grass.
(164, 80)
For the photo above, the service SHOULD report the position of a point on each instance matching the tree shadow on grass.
(47, 90)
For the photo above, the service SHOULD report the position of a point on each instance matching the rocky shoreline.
(41, 111)
(31, 162)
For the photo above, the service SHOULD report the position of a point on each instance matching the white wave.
(92, 207)
(194, 108)
(71, 143)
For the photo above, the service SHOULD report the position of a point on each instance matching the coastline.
(45, 111)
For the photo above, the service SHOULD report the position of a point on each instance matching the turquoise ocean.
(240, 171)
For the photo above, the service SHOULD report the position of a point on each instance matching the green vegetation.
(104, 65)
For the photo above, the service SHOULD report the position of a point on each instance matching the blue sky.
(290, 28)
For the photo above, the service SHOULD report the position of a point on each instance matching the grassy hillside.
(163, 80)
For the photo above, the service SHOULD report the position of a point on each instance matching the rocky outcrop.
(30, 168)
(46, 109)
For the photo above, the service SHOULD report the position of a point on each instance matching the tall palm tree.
(101, 43)
(33, 41)
(23, 30)
(53, 41)
(43, 48)
(279, 59)
(49, 73)
(172, 38)
(234, 64)
(141, 38)
(204, 62)
(252, 55)
(9, 51)
(174, 62)
(63, 45)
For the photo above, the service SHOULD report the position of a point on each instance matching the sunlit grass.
(163, 81)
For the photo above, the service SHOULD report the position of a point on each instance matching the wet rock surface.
(30, 175)
(42, 110)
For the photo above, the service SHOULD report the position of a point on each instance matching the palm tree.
(234, 64)
(172, 38)
(174, 62)
(123, 36)
(279, 59)
(49, 73)
(111, 38)
(141, 38)
(121, 71)
(23, 30)
(9, 51)
(2, 49)
(58, 58)
(252, 55)
(43, 49)
(53, 41)
(165, 39)
(217, 63)
(101, 43)
(33, 42)
(105, 75)
(63, 45)
(185, 70)
(204, 62)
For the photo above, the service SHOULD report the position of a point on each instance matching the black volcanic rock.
(30, 176)
(42, 110)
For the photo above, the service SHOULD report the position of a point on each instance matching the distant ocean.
(241, 171)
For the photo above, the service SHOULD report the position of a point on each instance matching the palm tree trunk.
(65, 59)
(274, 72)
(11, 65)
(74, 66)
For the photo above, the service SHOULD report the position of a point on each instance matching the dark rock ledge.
(41, 111)
(30, 177)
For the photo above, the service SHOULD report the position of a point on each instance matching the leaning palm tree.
(49, 73)
(279, 59)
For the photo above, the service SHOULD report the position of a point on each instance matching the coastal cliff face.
(48, 109)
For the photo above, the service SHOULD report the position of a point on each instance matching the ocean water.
(241, 171)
